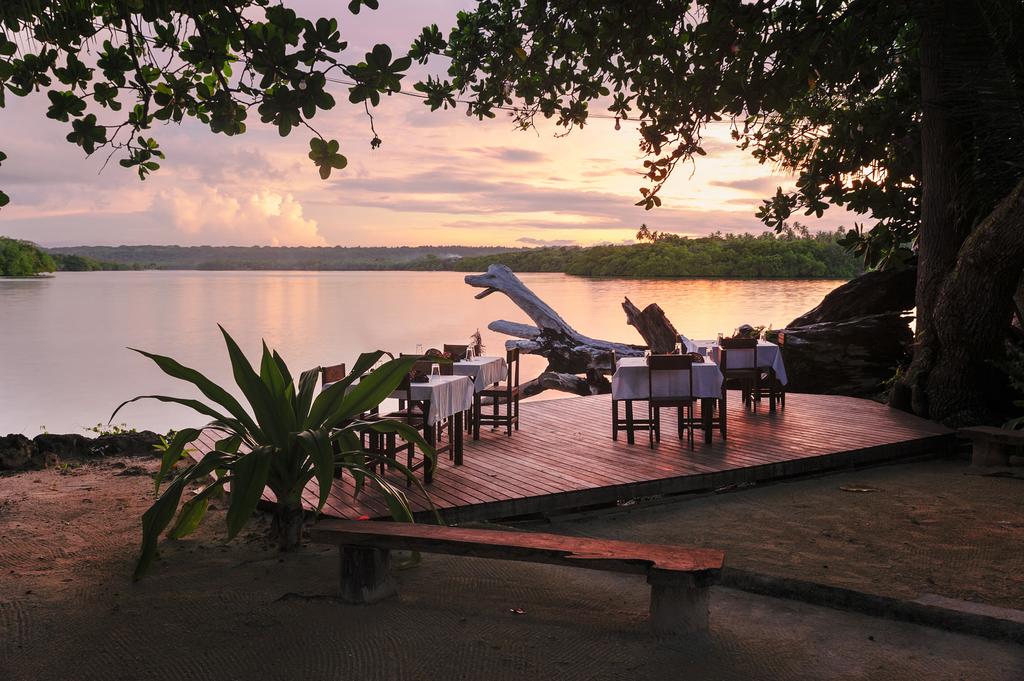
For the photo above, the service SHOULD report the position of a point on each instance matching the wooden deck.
(564, 457)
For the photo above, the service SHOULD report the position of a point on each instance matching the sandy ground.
(904, 530)
(211, 610)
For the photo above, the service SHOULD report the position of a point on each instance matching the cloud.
(757, 185)
(513, 155)
(531, 241)
(211, 216)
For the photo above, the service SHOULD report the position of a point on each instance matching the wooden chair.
(662, 365)
(457, 352)
(332, 374)
(748, 375)
(506, 394)
(630, 423)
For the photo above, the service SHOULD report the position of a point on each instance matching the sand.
(68, 609)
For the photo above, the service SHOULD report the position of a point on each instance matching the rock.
(869, 294)
(62, 446)
(140, 443)
(853, 357)
(18, 453)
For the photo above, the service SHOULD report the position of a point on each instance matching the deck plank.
(564, 456)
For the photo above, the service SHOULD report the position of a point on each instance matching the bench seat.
(679, 576)
(992, 446)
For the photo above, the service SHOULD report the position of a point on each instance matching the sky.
(439, 177)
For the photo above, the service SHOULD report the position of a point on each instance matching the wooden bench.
(679, 576)
(992, 446)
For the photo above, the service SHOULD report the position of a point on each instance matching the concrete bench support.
(679, 604)
(366, 574)
(992, 446)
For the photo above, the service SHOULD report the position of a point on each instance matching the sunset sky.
(439, 178)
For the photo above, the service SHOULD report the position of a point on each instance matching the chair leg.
(652, 419)
(680, 425)
(509, 407)
(476, 416)
(517, 412)
(630, 431)
(615, 419)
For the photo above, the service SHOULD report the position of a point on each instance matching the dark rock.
(140, 443)
(18, 453)
(869, 294)
(853, 357)
(62, 446)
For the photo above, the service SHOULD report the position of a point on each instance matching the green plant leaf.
(328, 400)
(194, 510)
(210, 389)
(248, 479)
(372, 389)
(154, 520)
(256, 393)
(317, 445)
(307, 386)
(174, 452)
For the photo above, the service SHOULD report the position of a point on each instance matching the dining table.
(484, 370)
(442, 397)
(631, 382)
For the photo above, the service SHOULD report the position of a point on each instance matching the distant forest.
(744, 256)
(789, 255)
(275, 257)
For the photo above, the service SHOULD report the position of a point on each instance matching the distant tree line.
(23, 259)
(793, 254)
(273, 257)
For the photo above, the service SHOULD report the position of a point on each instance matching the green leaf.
(328, 400)
(372, 389)
(255, 392)
(317, 445)
(194, 510)
(154, 521)
(249, 478)
(174, 453)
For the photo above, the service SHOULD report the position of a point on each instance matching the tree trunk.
(287, 525)
(964, 285)
(652, 324)
(971, 318)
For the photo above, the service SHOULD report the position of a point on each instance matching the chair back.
(332, 373)
(740, 352)
(658, 368)
(424, 366)
(512, 361)
(457, 352)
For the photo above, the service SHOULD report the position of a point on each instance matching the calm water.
(64, 366)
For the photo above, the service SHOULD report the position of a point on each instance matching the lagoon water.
(64, 364)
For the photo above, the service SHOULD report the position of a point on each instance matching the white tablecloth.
(769, 355)
(448, 395)
(484, 370)
(630, 381)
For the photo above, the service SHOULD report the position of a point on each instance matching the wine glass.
(679, 348)
(419, 349)
(469, 353)
(435, 370)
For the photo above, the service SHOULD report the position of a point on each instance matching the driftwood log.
(652, 324)
(852, 343)
(569, 352)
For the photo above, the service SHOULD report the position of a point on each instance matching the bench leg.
(985, 453)
(365, 574)
(679, 606)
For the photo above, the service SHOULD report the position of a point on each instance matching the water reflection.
(63, 362)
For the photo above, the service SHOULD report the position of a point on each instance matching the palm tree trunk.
(287, 526)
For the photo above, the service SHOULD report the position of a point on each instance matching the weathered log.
(851, 357)
(652, 324)
(870, 293)
(566, 349)
(550, 380)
